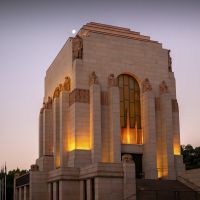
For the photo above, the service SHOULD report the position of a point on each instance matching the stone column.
(17, 194)
(95, 122)
(41, 133)
(89, 189)
(167, 132)
(26, 192)
(64, 105)
(114, 120)
(61, 190)
(83, 191)
(55, 190)
(176, 127)
(149, 131)
(56, 132)
(48, 132)
(20, 193)
(50, 191)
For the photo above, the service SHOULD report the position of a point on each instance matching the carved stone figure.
(67, 84)
(49, 103)
(163, 88)
(56, 93)
(77, 45)
(93, 79)
(169, 62)
(112, 80)
(61, 87)
(43, 107)
(127, 158)
(146, 86)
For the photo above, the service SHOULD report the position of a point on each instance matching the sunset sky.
(33, 32)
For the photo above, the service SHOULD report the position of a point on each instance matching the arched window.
(130, 109)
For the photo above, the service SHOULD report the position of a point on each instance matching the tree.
(191, 156)
(10, 181)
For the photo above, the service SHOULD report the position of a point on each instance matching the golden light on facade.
(81, 144)
(57, 161)
(177, 149)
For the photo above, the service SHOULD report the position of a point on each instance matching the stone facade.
(86, 114)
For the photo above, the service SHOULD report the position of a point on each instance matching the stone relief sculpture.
(93, 79)
(43, 107)
(67, 83)
(77, 46)
(146, 86)
(83, 33)
(112, 80)
(163, 88)
(169, 62)
(49, 103)
(56, 93)
(79, 95)
(61, 87)
(127, 158)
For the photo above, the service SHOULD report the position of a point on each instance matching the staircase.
(164, 190)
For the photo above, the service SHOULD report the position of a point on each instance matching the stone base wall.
(101, 181)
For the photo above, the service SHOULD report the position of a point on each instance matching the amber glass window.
(129, 101)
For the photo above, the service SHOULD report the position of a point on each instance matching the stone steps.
(164, 190)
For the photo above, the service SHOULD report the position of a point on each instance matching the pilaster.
(176, 127)
(48, 132)
(95, 123)
(149, 131)
(55, 190)
(41, 134)
(56, 132)
(114, 120)
(167, 132)
(64, 105)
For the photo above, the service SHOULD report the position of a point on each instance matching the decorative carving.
(48, 105)
(42, 109)
(83, 33)
(112, 81)
(79, 95)
(163, 88)
(174, 105)
(56, 93)
(127, 158)
(93, 79)
(61, 87)
(146, 86)
(67, 83)
(169, 62)
(77, 46)
(104, 98)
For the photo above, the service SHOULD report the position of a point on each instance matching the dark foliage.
(191, 156)
(10, 180)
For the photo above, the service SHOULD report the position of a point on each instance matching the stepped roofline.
(114, 31)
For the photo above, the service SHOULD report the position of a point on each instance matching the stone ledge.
(102, 170)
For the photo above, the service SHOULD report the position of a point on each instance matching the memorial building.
(110, 116)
